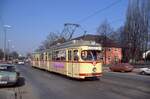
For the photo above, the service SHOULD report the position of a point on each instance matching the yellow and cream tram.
(76, 58)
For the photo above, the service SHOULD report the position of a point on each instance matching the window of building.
(116, 59)
(109, 58)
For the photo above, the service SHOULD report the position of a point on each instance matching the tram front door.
(69, 64)
(73, 67)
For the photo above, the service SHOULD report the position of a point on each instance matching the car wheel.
(122, 71)
(142, 73)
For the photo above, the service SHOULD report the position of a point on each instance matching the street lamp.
(5, 39)
(8, 49)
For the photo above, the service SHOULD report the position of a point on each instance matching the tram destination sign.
(94, 48)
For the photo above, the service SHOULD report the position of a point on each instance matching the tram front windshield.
(91, 55)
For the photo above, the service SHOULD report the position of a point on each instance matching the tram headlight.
(94, 69)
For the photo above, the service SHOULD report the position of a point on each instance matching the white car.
(21, 62)
(144, 71)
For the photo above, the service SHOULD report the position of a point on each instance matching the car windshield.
(7, 68)
(90, 55)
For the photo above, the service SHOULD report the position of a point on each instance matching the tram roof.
(73, 43)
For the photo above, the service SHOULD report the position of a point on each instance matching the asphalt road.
(44, 85)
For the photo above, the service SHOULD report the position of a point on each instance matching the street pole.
(5, 44)
(8, 49)
(5, 39)
(105, 44)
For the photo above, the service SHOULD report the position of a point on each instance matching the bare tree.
(54, 38)
(51, 38)
(104, 29)
(116, 35)
(136, 29)
(14, 55)
(40, 48)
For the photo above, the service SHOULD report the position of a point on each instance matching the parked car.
(9, 62)
(144, 71)
(8, 74)
(121, 67)
(20, 62)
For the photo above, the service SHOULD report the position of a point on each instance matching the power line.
(98, 11)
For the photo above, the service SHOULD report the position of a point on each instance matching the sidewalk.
(7, 94)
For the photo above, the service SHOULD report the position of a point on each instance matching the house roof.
(104, 41)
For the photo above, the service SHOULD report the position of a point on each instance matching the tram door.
(73, 67)
(75, 63)
(69, 63)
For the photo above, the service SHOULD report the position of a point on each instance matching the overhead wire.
(98, 11)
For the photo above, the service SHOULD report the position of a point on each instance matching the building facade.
(112, 55)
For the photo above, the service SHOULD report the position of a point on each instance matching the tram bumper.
(84, 75)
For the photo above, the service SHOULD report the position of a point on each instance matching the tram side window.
(33, 57)
(54, 56)
(76, 57)
(41, 57)
(99, 55)
(49, 56)
(63, 55)
(69, 55)
(59, 55)
(46, 57)
(37, 59)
